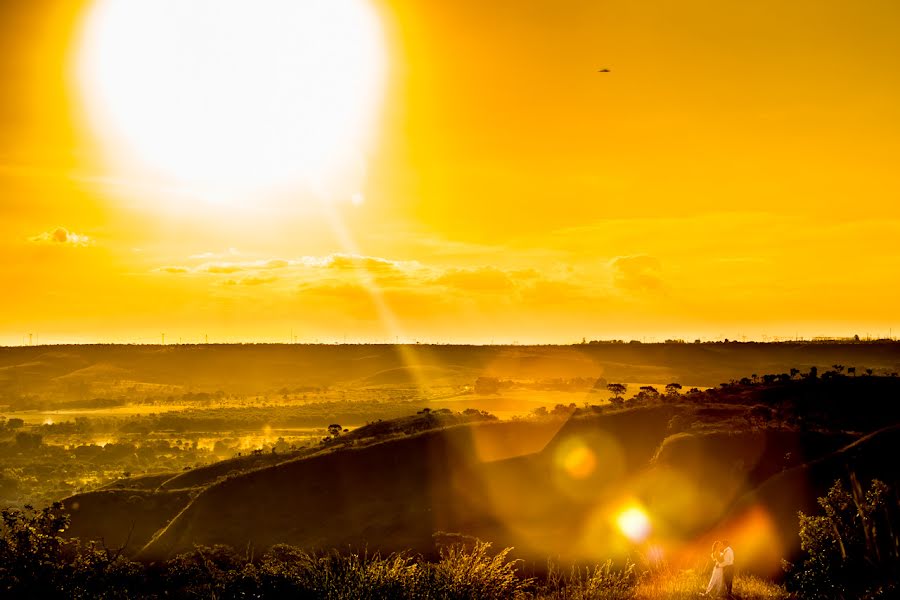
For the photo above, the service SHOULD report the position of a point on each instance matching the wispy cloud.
(637, 273)
(353, 283)
(253, 280)
(228, 268)
(333, 262)
(62, 236)
(230, 253)
(487, 279)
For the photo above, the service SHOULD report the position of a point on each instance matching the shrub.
(853, 550)
(463, 573)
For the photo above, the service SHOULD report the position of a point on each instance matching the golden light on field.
(227, 99)
(634, 523)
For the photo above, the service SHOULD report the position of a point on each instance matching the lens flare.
(634, 523)
(579, 462)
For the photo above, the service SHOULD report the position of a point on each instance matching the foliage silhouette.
(852, 548)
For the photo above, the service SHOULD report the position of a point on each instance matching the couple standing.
(723, 572)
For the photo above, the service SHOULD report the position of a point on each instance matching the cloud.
(215, 255)
(221, 269)
(369, 264)
(551, 292)
(228, 268)
(257, 280)
(362, 282)
(61, 235)
(637, 273)
(337, 262)
(275, 263)
(487, 279)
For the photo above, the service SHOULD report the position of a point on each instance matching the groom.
(728, 567)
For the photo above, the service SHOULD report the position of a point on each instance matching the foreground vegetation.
(850, 553)
(852, 549)
(36, 562)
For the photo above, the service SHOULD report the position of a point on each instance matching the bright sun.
(233, 98)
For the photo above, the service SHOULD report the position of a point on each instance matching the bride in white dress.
(716, 586)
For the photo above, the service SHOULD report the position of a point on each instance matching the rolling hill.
(553, 487)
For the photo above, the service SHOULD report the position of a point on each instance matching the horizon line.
(817, 340)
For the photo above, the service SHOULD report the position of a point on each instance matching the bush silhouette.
(853, 548)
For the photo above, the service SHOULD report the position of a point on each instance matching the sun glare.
(233, 98)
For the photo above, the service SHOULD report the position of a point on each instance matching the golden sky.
(735, 174)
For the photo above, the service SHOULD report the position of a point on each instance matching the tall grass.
(472, 573)
(684, 585)
(597, 582)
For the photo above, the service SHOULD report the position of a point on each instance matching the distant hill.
(76, 372)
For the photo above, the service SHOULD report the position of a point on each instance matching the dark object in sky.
(604, 71)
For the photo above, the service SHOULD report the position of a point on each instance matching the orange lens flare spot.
(579, 462)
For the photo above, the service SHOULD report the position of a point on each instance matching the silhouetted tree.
(647, 393)
(562, 410)
(617, 389)
(673, 389)
(794, 373)
(851, 370)
(869, 372)
(334, 429)
(813, 372)
(838, 368)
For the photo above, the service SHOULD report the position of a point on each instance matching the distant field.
(505, 405)
(76, 373)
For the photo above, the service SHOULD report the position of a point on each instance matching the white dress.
(716, 586)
